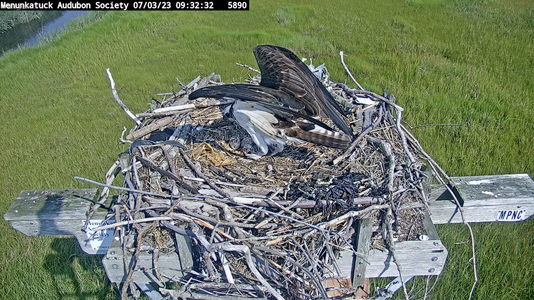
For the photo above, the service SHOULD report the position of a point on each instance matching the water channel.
(31, 33)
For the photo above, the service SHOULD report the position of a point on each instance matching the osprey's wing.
(276, 100)
(248, 92)
(282, 70)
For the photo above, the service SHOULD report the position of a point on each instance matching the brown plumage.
(282, 70)
(285, 105)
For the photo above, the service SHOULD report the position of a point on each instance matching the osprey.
(285, 106)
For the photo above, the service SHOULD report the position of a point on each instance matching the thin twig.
(246, 252)
(358, 140)
(348, 71)
(391, 246)
(146, 162)
(118, 100)
(400, 129)
(385, 147)
(110, 177)
(125, 189)
(248, 67)
(438, 173)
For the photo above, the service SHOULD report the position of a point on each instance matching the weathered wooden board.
(416, 258)
(361, 244)
(50, 212)
(484, 199)
(172, 265)
(54, 212)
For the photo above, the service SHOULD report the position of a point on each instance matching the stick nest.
(272, 227)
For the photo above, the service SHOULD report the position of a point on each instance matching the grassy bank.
(447, 62)
(17, 26)
(10, 19)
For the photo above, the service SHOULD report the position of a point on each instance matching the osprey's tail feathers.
(333, 110)
(318, 135)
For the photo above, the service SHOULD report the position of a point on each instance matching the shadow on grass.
(77, 275)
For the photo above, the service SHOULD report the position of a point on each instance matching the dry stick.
(182, 293)
(356, 142)
(275, 237)
(133, 261)
(390, 242)
(248, 67)
(211, 219)
(119, 188)
(286, 209)
(403, 137)
(155, 263)
(437, 170)
(177, 179)
(118, 100)
(192, 83)
(135, 221)
(138, 186)
(217, 182)
(378, 98)
(122, 139)
(227, 214)
(155, 125)
(312, 263)
(110, 177)
(352, 146)
(353, 214)
(331, 253)
(322, 230)
(299, 203)
(248, 257)
(275, 204)
(171, 110)
(236, 200)
(227, 286)
(327, 237)
(169, 159)
(385, 147)
(197, 218)
(170, 226)
(205, 250)
(163, 114)
(348, 71)
(226, 268)
(319, 286)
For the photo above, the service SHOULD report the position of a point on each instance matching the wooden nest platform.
(273, 227)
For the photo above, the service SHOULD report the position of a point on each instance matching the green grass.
(446, 62)
(10, 19)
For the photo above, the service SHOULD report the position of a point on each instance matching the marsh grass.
(446, 61)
